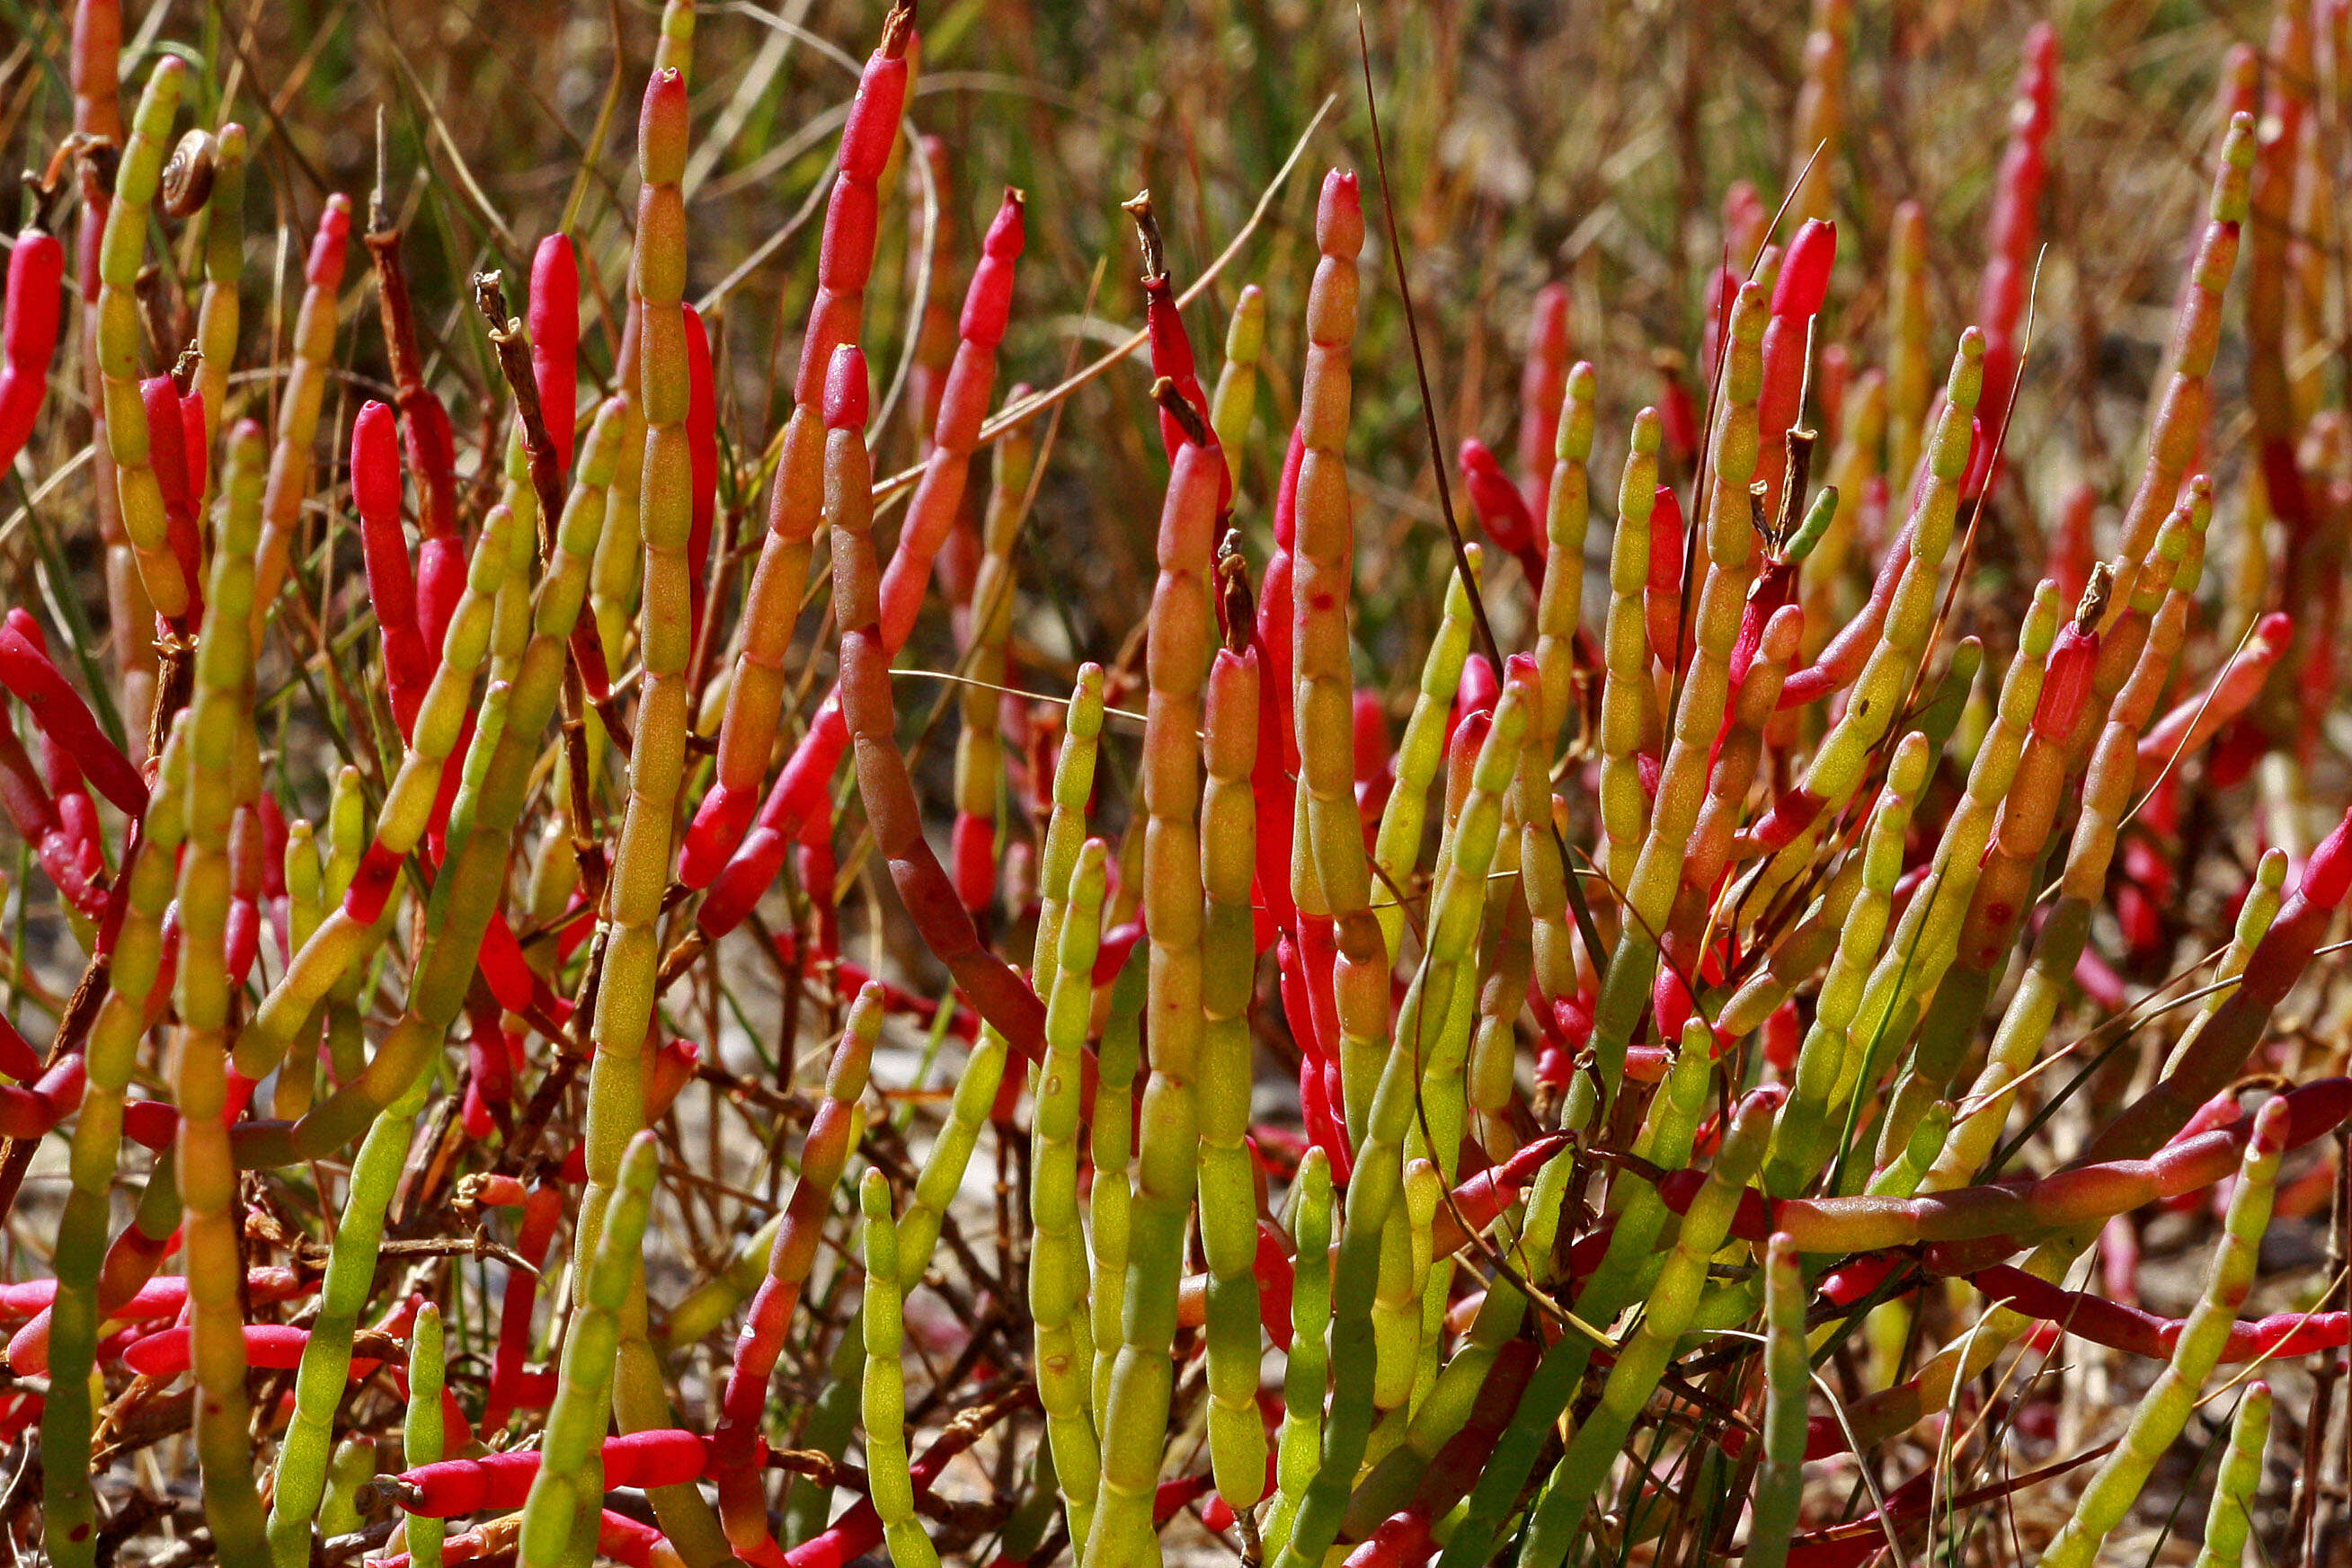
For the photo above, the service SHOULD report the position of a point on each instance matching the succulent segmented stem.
(950, 1152)
(1451, 1402)
(1065, 823)
(121, 253)
(1376, 1183)
(1420, 754)
(1492, 1068)
(222, 765)
(930, 240)
(979, 744)
(621, 1031)
(1111, 1130)
(1479, 831)
(1734, 450)
(1902, 1176)
(613, 581)
(312, 350)
(1979, 945)
(726, 812)
(1853, 473)
(1057, 1254)
(846, 259)
(1643, 1358)
(796, 804)
(300, 1481)
(1667, 1140)
(94, 63)
(2265, 896)
(869, 716)
(1543, 385)
(559, 1520)
(1328, 874)
(1227, 1169)
(343, 940)
(2011, 229)
(2226, 1522)
(612, 595)
(392, 585)
(555, 318)
(2103, 1321)
(1836, 768)
(1927, 935)
(1539, 852)
(887, 1478)
(2180, 423)
(542, 1206)
(2084, 1193)
(422, 1436)
(963, 401)
(75, 750)
(1810, 943)
(828, 1429)
(2166, 1408)
(2200, 716)
(1235, 399)
(217, 313)
(1828, 1063)
(1798, 293)
(110, 1054)
(1428, 1285)
(1788, 1382)
(468, 891)
(1167, 1148)
(1568, 514)
(353, 1467)
(1729, 550)
(28, 335)
(823, 1153)
(423, 419)
(2201, 1070)
(510, 616)
(347, 841)
(1738, 751)
(1629, 698)
(1299, 1451)
(2106, 798)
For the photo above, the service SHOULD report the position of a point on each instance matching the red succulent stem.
(2233, 689)
(702, 451)
(2011, 1212)
(552, 315)
(716, 850)
(2110, 1322)
(392, 586)
(542, 1209)
(167, 454)
(1543, 383)
(28, 335)
(1501, 509)
(1662, 596)
(26, 672)
(1797, 297)
(2219, 1052)
(2013, 234)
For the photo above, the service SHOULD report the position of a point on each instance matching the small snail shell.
(188, 176)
